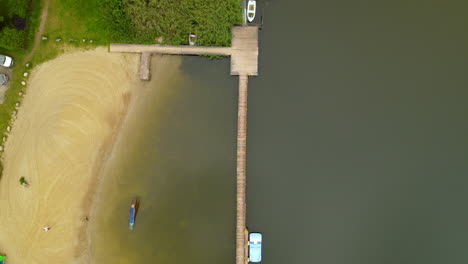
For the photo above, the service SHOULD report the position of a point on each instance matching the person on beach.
(46, 229)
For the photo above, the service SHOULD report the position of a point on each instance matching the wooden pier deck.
(243, 51)
(244, 62)
(241, 183)
(169, 49)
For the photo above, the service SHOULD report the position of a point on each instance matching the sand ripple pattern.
(70, 112)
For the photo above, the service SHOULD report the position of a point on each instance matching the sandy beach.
(63, 134)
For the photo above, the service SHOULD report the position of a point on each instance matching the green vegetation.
(18, 7)
(106, 21)
(11, 38)
(13, 23)
(143, 20)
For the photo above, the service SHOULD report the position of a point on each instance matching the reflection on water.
(178, 157)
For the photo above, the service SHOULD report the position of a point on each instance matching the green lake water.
(357, 144)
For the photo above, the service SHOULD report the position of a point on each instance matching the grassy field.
(11, 96)
(77, 20)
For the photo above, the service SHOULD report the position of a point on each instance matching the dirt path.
(40, 31)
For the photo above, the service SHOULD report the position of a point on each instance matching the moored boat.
(251, 7)
(131, 220)
(255, 247)
(192, 39)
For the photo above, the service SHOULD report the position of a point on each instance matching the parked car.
(6, 61)
(3, 79)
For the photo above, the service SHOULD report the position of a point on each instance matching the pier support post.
(144, 71)
(241, 236)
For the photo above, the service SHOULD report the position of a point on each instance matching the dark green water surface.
(357, 144)
(358, 124)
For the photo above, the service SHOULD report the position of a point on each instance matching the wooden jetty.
(244, 63)
(243, 52)
(241, 236)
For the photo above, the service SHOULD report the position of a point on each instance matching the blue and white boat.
(131, 220)
(255, 247)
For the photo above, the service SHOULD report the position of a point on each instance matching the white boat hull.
(251, 8)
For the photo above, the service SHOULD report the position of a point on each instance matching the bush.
(118, 24)
(141, 21)
(18, 7)
(18, 22)
(12, 39)
(13, 34)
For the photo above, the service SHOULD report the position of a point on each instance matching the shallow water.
(179, 159)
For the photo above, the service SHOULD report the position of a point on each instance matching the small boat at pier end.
(251, 7)
(255, 247)
(132, 212)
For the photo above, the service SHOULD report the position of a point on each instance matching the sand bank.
(64, 130)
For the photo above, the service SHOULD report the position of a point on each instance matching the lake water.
(178, 157)
(357, 144)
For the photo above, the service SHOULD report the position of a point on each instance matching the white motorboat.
(192, 39)
(251, 7)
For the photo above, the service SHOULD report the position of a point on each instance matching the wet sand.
(65, 129)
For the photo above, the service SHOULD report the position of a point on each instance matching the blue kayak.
(131, 220)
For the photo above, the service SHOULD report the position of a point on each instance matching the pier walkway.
(244, 62)
(241, 235)
(243, 52)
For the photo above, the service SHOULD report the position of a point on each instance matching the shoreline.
(67, 127)
(101, 170)
(92, 198)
